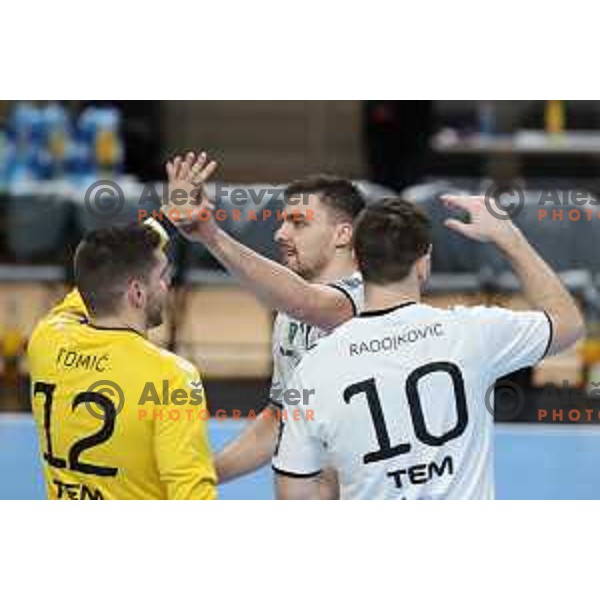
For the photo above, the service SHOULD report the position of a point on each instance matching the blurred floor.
(533, 462)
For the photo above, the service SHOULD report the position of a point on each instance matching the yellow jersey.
(109, 413)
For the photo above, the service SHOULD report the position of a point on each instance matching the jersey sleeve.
(277, 383)
(512, 340)
(299, 451)
(181, 446)
(352, 288)
(276, 390)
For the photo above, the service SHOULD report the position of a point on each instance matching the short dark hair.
(106, 258)
(337, 193)
(389, 236)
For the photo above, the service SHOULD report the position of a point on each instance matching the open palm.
(484, 224)
(187, 192)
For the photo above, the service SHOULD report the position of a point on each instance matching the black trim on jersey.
(296, 475)
(346, 293)
(385, 311)
(100, 328)
(266, 403)
(274, 403)
(550, 335)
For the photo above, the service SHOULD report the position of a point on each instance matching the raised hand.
(484, 224)
(188, 206)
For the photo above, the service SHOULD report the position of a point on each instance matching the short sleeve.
(181, 445)
(299, 451)
(277, 381)
(276, 390)
(352, 288)
(512, 340)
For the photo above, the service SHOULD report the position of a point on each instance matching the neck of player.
(382, 297)
(123, 320)
(342, 265)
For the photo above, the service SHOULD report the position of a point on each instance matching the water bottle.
(99, 128)
(26, 130)
(486, 113)
(57, 139)
(109, 146)
(6, 158)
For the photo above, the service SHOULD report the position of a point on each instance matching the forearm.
(249, 452)
(276, 285)
(329, 487)
(542, 287)
(288, 488)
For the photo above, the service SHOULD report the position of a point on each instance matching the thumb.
(459, 227)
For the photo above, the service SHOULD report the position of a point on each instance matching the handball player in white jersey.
(317, 288)
(399, 391)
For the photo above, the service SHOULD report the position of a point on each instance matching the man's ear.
(423, 268)
(343, 235)
(136, 294)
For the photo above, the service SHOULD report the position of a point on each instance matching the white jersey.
(402, 401)
(292, 339)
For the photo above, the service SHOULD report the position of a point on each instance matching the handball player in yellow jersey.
(93, 371)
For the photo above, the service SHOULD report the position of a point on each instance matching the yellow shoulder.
(170, 363)
(71, 309)
(72, 305)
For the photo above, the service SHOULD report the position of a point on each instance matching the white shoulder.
(478, 312)
(328, 348)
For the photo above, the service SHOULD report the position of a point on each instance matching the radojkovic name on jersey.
(388, 343)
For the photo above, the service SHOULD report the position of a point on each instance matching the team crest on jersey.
(304, 329)
(292, 331)
(352, 282)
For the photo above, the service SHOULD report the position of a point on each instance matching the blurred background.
(52, 152)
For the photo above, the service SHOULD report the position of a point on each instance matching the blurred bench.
(27, 293)
(225, 330)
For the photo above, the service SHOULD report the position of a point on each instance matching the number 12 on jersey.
(74, 463)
